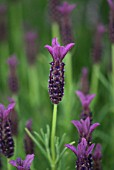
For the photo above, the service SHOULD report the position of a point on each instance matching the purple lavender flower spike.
(56, 77)
(66, 8)
(84, 127)
(23, 164)
(82, 152)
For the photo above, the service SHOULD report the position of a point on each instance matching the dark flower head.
(111, 4)
(82, 149)
(31, 36)
(84, 127)
(12, 61)
(66, 8)
(58, 52)
(4, 112)
(29, 124)
(85, 99)
(23, 164)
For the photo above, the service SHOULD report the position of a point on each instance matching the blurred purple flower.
(31, 46)
(12, 62)
(84, 83)
(56, 77)
(111, 4)
(97, 48)
(58, 52)
(23, 164)
(85, 99)
(82, 152)
(66, 8)
(3, 22)
(84, 127)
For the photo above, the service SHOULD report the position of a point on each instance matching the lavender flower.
(6, 140)
(65, 23)
(56, 78)
(84, 81)
(97, 156)
(111, 20)
(97, 48)
(82, 152)
(28, 143)
(31, 46)
(85, 101)
(13, 79)
(23, 164)
(84, 128)
(3, 22)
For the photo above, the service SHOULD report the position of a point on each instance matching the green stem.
(95, 81)
(112, 72)
(55, 30)
(54, 120)
(8, 165)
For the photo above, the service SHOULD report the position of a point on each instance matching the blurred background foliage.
(27, 15)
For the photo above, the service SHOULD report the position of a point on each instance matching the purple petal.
(78, 125)
(90, 149)
(84, 127)
(90, 98)
(55, 42)
(8, 110)
(12, 162)
(81, 97)
(92, 127)
(28, 160)
(82, 147)
(58, 52)
(67, 49)
(66, 8)
(72, 148)
(50, 49)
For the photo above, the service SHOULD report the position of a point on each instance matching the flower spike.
(56, 77)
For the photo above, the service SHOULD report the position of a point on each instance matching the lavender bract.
(6, 140)
(23, 164)
(82, 152)
(84, 128)
(97, 156)
(56, 77)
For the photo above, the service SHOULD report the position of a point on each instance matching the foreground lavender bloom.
(31, 46)
(82, 152)
(97, 156)
(84, 128)
(111, 20)
(84, 81)
(23, 164)
(13, 79)
(6, 140)
(28, 143)
(56, 78)
(65, 25)
(85, 101)
(97, 48)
